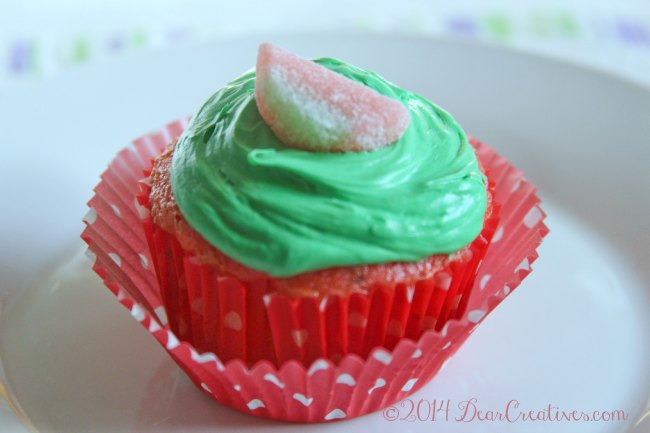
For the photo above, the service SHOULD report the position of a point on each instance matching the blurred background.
(40, 38)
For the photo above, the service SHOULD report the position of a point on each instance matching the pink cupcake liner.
(326, 389)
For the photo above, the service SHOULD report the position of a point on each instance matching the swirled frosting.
(285, 211)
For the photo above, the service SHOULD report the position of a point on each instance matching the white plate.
(575, 335)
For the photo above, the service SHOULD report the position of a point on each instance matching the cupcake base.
(322, 390)
(245, 320)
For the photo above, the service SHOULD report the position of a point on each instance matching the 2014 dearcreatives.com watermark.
(511, 412)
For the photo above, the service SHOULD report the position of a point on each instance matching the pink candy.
(311, 107)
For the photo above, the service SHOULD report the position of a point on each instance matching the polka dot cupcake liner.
(297, 382)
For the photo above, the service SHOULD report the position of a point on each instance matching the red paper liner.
(324, 390)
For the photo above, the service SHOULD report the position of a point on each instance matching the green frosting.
(286, 211)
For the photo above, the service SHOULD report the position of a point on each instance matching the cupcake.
(313, 244)
(328, 188)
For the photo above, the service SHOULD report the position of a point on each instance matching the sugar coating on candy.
(311, 107)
